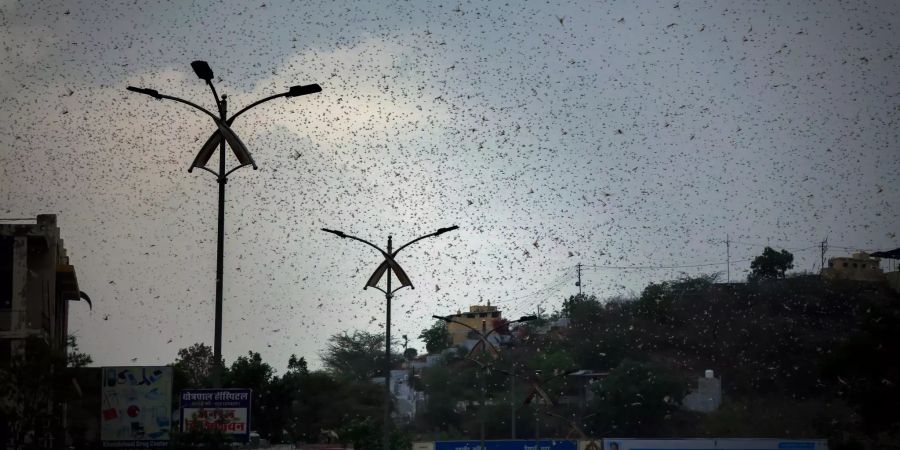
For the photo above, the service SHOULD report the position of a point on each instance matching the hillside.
(797, 357)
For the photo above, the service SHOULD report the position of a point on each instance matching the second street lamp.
(384, 269)
(224, 134)
(483, 335)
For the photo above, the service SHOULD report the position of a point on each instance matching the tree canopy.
(194, 366)
(771, 264)
(436, 337)
(357, 356)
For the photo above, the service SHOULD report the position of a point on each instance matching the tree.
(437, 337)
(410, 354)
(635, 399)
(581, 307)
(250, 372)
(771, 264)
(281, 399)
(74, 358)
(297, 365)
(355, 357)
(195, 365)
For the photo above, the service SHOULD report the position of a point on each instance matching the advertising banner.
(702, 444)
(227, 410)
(135, 406)
(519, 444)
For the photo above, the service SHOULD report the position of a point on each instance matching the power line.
(550, 285)
(548, 290)
(682, 266)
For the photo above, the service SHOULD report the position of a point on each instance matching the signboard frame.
(135, 406)
(713, 443)
(508, 444)
(228, 409)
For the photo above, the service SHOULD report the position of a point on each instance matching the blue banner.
(521, 444)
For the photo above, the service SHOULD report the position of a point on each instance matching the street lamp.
(224, 134)
(538, 393)
(483, 340)
(383, 268)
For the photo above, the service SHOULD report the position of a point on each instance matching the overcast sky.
(553, 133)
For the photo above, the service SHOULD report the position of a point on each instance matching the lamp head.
(335, 232)
(296, 91)
(151, 92)
(201, 68)
(441, 231)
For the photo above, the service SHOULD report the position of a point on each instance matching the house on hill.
(859, 267)
(479, 317)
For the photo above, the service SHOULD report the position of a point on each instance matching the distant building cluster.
(860, 267)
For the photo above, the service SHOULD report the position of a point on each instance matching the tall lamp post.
(385, 268)
(483, 335)
(224, 134)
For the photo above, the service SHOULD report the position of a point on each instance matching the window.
(482, 315)
(5, 352)
(6, 271)
(495, 314)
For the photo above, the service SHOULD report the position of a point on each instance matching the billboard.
(135, 406)
(520, 444)
(227, 410)
(702, 444)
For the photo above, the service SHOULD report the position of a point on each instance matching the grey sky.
(620, 133)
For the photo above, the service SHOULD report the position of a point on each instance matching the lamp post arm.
(215, 95)
(395, 290)
(202, 109)
(271, 97)
(523, 319)
(447, 319)
(481, 337)
(411, 242)
(436, 233)
(369, 244)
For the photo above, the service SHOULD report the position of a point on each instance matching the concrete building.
(474, 318)
(708, 395)
(36, 283)
(406, 398)
(859, 267)
(893, 279)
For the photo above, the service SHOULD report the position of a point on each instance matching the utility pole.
(512, 400)
(728, 257)
(579, 279)
(824, 248)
